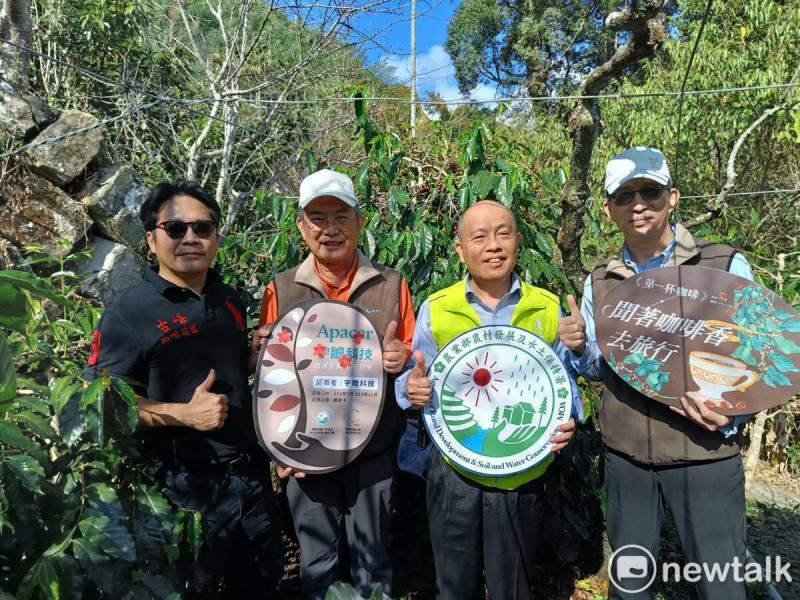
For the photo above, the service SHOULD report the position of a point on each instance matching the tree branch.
(718, 205)
(647, 31)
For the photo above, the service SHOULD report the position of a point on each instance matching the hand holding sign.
(395, 354)
(561, 440)
(418, 386)
(572, 328)
(284, 472)
(695, 410)
(261, 334)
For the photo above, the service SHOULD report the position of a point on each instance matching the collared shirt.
(500, 315)
(164, 339)
(590, 365)
(339, 292)
(405, 328)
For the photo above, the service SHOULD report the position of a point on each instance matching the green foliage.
(79, 512)
(642, 373)
(345, 591)
(541, 46)
(410, 225)
(760, 333)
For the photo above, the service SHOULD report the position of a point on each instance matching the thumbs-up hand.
(206, 410)
(395, 354)
(259, 337)
(572, 328)
(418, 386)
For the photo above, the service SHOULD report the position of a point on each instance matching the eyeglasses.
(649, 194)
(318, 223)
(177, 229)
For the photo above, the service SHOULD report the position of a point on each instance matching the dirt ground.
(771, 530)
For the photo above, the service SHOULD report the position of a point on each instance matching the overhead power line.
(129, 86)
(753, 193)
(676, 163)
(400, 100)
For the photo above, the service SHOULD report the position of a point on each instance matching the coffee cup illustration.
(717, 374)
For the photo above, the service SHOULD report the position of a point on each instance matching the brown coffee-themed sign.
(701, 333)
(319, 386)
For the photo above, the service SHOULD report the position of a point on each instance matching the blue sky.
(434, 69)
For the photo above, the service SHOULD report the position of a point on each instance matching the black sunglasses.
(648, 193)
(177, 229)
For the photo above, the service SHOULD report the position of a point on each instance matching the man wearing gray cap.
(359, 495)
(686, 458)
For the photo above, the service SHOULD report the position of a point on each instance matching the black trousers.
(358, 497)
(479, 532)
(707, 503)
(243, 557)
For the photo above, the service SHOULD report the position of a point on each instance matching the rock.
(758, 490)
(45, 216)
(113, 201)
(116, 269)
(40, 109)
(62, 161)
(16, 116)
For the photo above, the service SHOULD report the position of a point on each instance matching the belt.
(237, 463)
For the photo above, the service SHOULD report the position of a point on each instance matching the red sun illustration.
(481, 377)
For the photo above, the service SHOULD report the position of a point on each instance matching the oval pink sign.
(319, 386)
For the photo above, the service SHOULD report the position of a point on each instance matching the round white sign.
(498, 393)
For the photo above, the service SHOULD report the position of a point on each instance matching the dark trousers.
(243, 557)
(479, 532)
(707, 503)
(359, 496)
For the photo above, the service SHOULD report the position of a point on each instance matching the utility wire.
(675, 162)
(129, 86)
(51, 140)
(507, 100)
(753, 193)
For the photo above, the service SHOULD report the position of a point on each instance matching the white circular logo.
(498, 394)
(631, 565)
(323, 417)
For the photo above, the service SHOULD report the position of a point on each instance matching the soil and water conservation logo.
(498, 394)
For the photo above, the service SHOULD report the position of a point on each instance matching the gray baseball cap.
(635, 162)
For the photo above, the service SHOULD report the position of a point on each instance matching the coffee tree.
(79, 513)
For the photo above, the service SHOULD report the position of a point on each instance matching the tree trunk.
(645, 25)
(15, 26)
(754, 451)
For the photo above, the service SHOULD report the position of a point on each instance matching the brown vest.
(376, 291)
(633, 424)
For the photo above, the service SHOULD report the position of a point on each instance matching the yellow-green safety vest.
(451, 315)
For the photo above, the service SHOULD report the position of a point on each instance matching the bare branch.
(718, 205)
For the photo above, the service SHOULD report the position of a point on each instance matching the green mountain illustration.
(458, 417)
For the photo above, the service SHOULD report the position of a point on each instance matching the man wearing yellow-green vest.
(483, 529)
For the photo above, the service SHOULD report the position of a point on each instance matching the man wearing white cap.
(358, 497)
(686, 458)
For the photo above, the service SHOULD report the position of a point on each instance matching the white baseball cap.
(639, 161)
(327, 183)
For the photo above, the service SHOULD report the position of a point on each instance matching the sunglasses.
(177, 229)
(649, 193)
